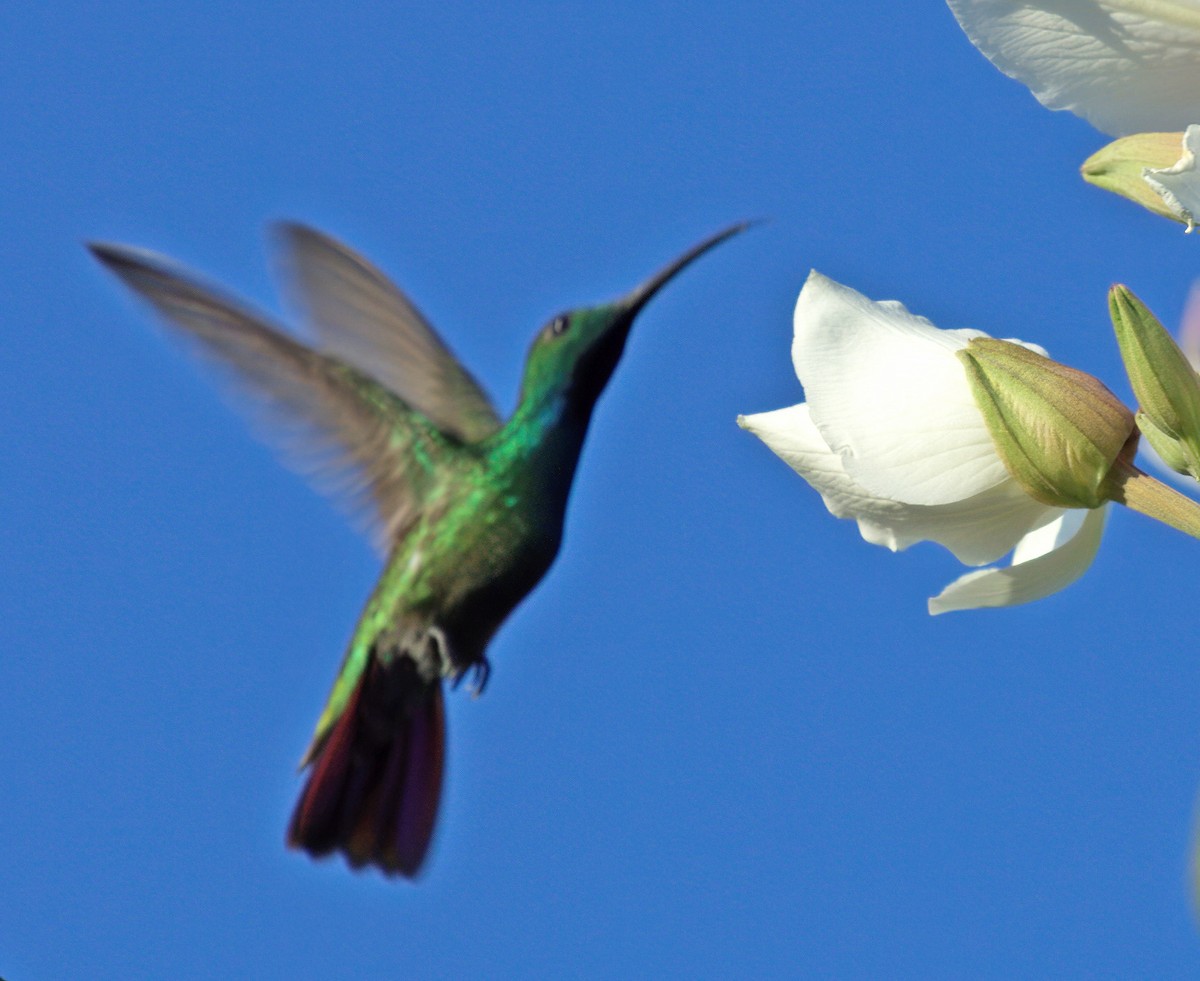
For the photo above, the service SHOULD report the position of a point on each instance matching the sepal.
(1058, 430)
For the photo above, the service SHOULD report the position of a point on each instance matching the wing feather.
(356, 440)
(364, 319)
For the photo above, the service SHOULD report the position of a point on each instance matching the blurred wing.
(353, 438)
(361, 317)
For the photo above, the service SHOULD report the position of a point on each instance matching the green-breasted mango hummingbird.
(468, 509)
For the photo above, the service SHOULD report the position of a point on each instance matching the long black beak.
(641, 294)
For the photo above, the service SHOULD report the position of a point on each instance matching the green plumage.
(469, 512)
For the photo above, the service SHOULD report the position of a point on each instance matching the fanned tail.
(376, 780)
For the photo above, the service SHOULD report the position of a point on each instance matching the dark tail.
(375, 782)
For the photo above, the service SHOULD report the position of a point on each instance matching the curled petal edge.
(1045, 561)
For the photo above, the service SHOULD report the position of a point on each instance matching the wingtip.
(104, 251)
(290, 231)
(118, 257)
(285, 227)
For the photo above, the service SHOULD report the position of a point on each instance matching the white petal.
(888, 394)
(1126, 66)
(1179, 185)
(1046, 560)
(979, 530)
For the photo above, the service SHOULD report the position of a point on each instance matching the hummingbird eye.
(559, 325)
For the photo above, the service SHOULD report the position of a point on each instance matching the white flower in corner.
(1126, 66)
(891, 436)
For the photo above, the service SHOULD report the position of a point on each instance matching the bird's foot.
(481, 670)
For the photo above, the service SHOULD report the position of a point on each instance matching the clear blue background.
(723, 738)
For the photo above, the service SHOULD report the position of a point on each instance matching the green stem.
(1128, 485)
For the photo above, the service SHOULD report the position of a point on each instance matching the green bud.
(1120, 167)
(1166, 385)
(1059, 431)
(1168, 448)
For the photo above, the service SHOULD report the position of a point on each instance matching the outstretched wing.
(355, 439)
(364, 319)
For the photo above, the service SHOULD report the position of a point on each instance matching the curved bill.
(641, 294)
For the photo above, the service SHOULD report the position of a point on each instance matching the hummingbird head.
(574, 355)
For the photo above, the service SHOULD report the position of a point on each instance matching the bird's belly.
(470, 583)
(478, 608)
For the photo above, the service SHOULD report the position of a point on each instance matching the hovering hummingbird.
(469, 510)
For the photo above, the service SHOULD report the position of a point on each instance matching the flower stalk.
(1140, 492)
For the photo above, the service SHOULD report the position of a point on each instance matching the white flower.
(1126, 66)
(1179, 184)
(892, 437)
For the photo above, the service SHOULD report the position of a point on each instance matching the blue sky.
(723, 737)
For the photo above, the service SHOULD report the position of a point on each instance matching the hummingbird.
(468, 509)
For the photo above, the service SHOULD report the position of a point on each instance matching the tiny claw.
(483, 670)
(480, 671)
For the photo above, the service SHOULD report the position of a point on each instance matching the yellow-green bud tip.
(1120, 167)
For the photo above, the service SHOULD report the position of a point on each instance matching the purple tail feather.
(375, 783)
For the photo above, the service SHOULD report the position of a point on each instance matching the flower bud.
(1059, 431)
(1121, 168)
(1166, 385)
(1168, 448)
